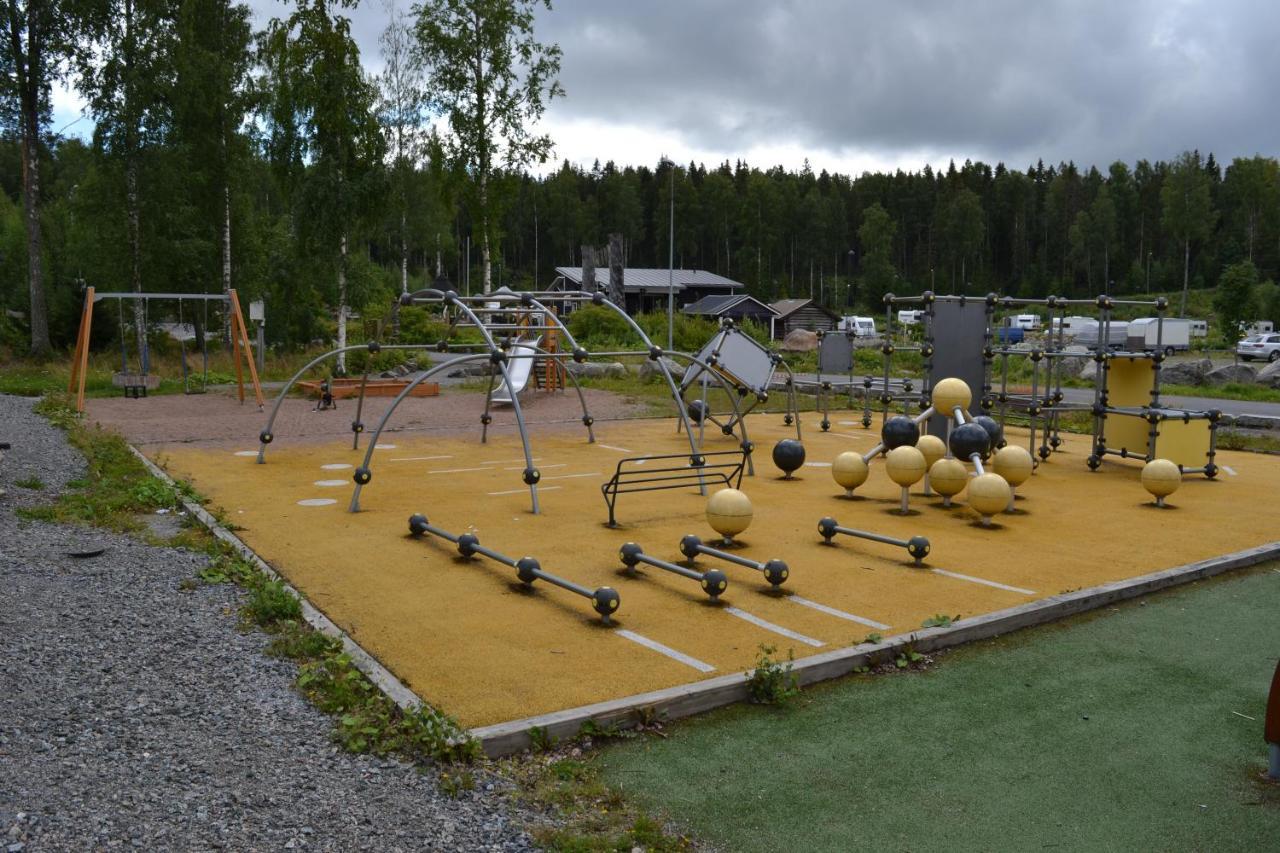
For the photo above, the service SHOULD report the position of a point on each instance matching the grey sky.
(855, 86)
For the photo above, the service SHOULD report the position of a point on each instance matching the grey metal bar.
(917, 546)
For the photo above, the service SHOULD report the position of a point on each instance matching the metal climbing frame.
(737, 360)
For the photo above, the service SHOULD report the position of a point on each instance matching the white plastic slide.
(519, 368)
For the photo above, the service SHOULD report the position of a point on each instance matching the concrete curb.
(687, 699)
(365, 662)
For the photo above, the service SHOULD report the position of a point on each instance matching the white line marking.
(1227, 468)
(329, 484)
(612, 447)
(415, 458)
(522, 491)
(246, 453)
(384, 447)
(508, 461)
(961, 577)
(847, 435)
(665, 650)
(456, 470)
(337, 466)
(817, 464)
(839, 614)
(851, 423)
(777, 629)
(572, 476)
(316, 502)
(543, 467)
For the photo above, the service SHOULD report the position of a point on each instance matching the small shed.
(648, 289)
(801, 314)
(732, 307)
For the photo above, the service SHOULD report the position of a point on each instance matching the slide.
(519, 369)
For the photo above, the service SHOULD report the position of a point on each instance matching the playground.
(565, 552)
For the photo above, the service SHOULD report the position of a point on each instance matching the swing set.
(135, 382)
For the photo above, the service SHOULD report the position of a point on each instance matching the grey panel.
(743, 361)
(835, 353)
(959, 331)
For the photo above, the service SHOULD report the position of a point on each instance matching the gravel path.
(134, 714)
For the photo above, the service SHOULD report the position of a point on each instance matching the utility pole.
(671, 265)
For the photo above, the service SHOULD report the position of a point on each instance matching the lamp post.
(849, 296)
(671, 264)
(1148, 272)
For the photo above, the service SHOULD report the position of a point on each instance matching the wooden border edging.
(699, 696)
(363, 661)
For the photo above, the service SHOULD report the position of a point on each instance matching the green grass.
(116, 486)
(1118, 731)
(33, 483)
(1230, 391)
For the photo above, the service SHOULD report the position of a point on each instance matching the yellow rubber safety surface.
(465, 635)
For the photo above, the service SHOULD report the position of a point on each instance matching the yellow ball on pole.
(948, 478)
(932, 447)
(988, 494)
(1161, 477)
(849, 470)
(905, 465)
(951, 394)
(729, 512)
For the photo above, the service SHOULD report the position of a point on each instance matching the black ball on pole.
(899, 431)
(788, 455)
(968, 439)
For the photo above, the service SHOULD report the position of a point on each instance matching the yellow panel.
(1129, 385)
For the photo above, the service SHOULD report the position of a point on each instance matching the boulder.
(596, 369)
(800, 340)
(649, 369)
(1079, 357)
(1229, 373)
(1186, 372)
(1089, 370)
(1254, 421)
(1269, 375)
(476, 369)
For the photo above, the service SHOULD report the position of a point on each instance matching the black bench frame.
(722, 467)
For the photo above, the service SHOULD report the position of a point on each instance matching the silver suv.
(1266, 347)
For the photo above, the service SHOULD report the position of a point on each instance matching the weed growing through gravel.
(35, 484)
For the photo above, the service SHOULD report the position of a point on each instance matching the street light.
(1148, 272)
(849, 296)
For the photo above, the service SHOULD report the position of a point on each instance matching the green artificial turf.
(1118, 731)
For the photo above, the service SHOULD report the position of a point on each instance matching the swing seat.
(135, 384)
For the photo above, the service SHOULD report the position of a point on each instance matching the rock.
(1077, 363)
(1255, 422)
(649, 369)
(476, 369)
(1089, 370)
(1269, 375)
(800, 340)
(596, 369)
(1229, 373)
(1186, 372)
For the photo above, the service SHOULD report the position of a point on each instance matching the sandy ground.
(217, 418)
(466, 636)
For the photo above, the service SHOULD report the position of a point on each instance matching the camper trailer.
(858, 327)
(909, 318)
(1117, 335)
(1148, 333)
(1199, 328)
(1259, 327)
(1026, 322)
(1070, 325)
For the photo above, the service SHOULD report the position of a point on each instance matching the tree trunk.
(342, 306)
(486, 270)
(226, 261)
(39, 315)
(134, 216)
(404, 254)
(1186, 274)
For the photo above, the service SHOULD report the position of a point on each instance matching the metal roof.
(721, 304)
(636, 279)
(787, 307)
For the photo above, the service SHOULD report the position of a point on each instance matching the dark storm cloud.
(1012, 80)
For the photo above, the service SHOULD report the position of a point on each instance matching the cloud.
(853, 85)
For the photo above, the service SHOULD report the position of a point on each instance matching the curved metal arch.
(408, 389)
(733, 401)
(671, 383)
(587, 419)
(288, 386)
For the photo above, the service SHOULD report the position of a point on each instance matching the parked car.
(1266, 347)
